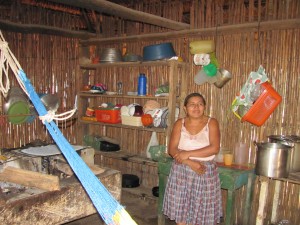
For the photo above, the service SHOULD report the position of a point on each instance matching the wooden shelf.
(132, 148)
(156, 129)
(91, 95)
(90, 66)
(125, 156)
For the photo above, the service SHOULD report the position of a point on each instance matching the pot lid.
(17, 112)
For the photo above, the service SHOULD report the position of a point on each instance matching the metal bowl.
(130, 57)
(110, 55)
(50, 101)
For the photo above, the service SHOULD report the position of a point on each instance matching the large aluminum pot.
(273, 160)
(293, 141)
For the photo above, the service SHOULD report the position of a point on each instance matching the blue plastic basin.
(159, 51)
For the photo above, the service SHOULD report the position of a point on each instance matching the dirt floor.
(141, 206)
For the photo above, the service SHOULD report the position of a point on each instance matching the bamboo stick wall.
(52, 65)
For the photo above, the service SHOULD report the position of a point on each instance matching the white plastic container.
(241, 154)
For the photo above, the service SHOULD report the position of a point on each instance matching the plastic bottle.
(142, 85)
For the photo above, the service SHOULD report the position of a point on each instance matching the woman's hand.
(181, 156)
(198, 167)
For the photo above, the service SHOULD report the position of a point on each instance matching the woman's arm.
(174, 139)
(212, 149)
(173, 149)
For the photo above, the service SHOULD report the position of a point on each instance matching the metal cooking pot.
(130, 181)
(273, 160)
(293, 141)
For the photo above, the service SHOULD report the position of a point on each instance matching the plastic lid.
(18, 108)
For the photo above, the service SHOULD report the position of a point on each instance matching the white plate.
(157, 117)
(47, 150)
(132, 93)
(111, 93)
(94, 91)
(124, 110)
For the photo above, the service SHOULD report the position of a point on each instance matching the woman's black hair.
(195, 94)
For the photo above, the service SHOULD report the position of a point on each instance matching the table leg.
(162, 186)
(251, 178)
(229, 204)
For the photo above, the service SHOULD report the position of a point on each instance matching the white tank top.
(189, 142)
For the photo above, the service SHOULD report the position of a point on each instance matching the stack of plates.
(110, 55)
(165, 117)
(160, 116)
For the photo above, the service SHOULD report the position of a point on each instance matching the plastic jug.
(241, 153)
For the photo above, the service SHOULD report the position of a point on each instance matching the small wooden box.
(132, 121)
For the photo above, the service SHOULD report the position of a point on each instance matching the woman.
(193, 192)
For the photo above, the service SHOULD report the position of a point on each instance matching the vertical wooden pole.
(262, 200)
(275, 201)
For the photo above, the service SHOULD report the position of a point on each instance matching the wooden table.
(231, 178)
(39, 207)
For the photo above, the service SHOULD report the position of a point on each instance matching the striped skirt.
(192, 198)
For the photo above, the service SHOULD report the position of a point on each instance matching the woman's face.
(195, 107)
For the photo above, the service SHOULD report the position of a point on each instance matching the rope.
(57, 117)
(8, 60)
(109, 209)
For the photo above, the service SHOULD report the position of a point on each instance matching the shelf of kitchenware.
(172, 99)
(91, 66)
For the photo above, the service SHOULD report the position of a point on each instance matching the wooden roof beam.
(41, 29)
(212, 31)
(110, 8)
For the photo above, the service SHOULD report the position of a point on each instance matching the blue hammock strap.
(109, 208)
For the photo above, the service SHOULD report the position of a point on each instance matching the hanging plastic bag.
(249, 92)
(153, 141)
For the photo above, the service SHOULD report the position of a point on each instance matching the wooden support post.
(275, 201)
(262, 200)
